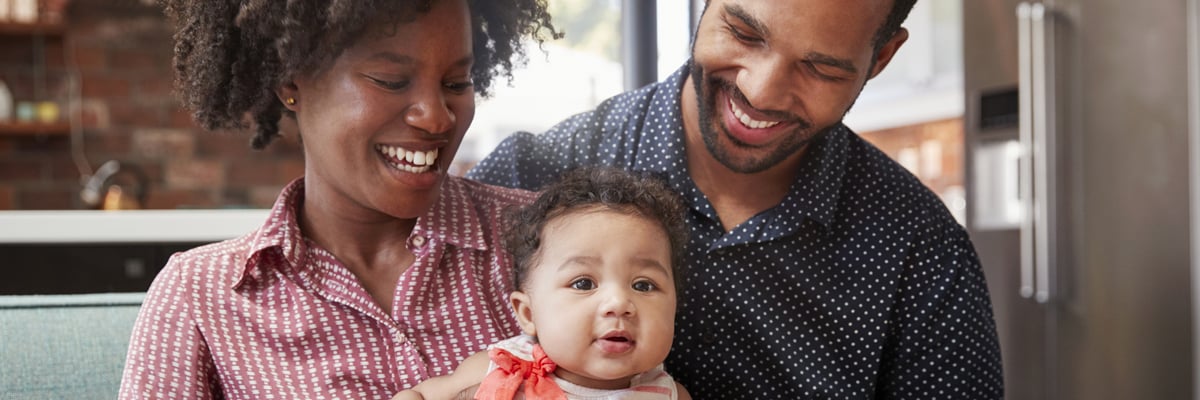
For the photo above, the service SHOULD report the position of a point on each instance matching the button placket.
(399, 336)
(417, 241)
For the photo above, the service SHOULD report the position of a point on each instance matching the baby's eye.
(583, 284)
(644, 286)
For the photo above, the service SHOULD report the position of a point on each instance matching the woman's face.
(382, 123)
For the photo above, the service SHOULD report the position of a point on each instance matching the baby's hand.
(449, 387)
(408, 395)
(466, 394)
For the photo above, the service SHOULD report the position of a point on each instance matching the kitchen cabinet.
(31, 29)
(70, 268)
(38, 78)
(78, 251)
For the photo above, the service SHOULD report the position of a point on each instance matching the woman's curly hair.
(590, 189)
(231, 54)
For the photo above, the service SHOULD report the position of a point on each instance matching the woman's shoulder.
(483, 194)
(222, 261)
(482, 208)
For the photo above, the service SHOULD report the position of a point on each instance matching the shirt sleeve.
(943, 342)
(528, 161)
(168, 357)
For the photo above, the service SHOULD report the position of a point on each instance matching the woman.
(375, 270)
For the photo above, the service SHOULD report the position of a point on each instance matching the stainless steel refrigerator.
(1077, 132)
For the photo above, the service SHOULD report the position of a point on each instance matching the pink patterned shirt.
(272, 316)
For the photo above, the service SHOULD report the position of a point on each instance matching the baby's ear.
(522, 305)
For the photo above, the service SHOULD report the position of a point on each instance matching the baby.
(597, 268)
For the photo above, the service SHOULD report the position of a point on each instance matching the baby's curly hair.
(590, 189)
(231, 54)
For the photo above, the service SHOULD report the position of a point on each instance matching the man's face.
(769, 76)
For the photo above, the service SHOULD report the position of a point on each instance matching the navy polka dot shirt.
(858, 285)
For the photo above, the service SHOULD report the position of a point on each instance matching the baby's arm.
(467, 375)
(682, 393)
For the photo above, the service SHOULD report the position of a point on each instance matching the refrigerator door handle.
(1035, 122)
(1043, 151)
(1025, 138)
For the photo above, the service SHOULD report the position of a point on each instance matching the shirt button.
(399, 337)
(709, 337)
(418, 240)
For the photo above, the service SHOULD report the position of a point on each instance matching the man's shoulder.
(874, 180)
(871, 170)
(624, 111)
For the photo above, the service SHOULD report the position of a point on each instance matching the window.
(568, 76)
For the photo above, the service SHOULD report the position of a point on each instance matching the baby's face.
(601, 299)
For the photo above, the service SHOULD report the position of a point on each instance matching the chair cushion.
(65, 346)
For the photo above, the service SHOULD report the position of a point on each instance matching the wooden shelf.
(29, 129)
(32, 29)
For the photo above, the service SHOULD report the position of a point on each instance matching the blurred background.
(1061, 133)
(91, 83)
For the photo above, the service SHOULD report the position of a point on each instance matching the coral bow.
(511, 372)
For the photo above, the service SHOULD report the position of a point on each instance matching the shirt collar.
(454, 218)
(279, 243)
(665, 127)
(814, 194)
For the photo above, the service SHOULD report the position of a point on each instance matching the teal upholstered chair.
(65, 346)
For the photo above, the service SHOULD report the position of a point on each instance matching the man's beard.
(706, 97)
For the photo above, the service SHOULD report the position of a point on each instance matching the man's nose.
(768, 85)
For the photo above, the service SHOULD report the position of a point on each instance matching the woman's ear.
(522, 305)
(289, 95)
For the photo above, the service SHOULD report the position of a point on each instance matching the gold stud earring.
(291, 101)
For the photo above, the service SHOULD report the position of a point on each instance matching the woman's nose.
(429, 113)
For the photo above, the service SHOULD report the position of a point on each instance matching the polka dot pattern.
(858, 285)
(271, 315)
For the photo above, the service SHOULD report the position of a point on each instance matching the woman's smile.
(414, 161)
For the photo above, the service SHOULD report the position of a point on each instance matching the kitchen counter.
(128, 226)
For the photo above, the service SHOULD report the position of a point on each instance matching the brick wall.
(121, 52)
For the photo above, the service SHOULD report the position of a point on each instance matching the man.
(819, 268)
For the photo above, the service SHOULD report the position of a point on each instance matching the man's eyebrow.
(740, 13)
(814, 57)
(825, 59)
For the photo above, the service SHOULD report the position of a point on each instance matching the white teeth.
(411, 161)
(409, 168)
(747, 121)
